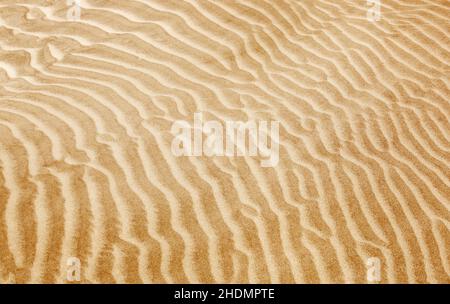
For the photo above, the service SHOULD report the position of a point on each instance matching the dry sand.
(86, 168)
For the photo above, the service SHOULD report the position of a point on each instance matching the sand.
(86, 168)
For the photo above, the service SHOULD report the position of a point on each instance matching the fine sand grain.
(86, 168)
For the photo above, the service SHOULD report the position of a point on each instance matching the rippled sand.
(86, 168)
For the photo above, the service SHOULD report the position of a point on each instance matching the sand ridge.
(87, 171)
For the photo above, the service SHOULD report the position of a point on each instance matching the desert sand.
(86, 168)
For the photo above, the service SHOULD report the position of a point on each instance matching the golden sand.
(86, 169)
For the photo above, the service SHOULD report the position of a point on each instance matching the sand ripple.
(86, 168)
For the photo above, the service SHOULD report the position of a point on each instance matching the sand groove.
(86, 168)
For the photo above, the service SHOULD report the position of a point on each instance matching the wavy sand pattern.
(86, 168)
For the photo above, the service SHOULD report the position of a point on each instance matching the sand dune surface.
(88, 97)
